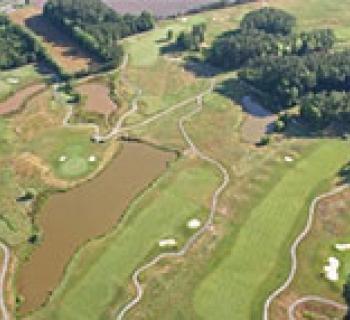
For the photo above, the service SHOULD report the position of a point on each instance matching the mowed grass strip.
(94, 287)
(237, 287)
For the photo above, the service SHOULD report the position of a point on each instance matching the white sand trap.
(342, 246)
(331, 270)
(92, 159)
(184, 19)
(12, 80)
(288, 159)
(194, 224)
(62, 159)
(167, 243)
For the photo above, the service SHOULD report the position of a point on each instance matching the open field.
(160, 8)
(60, 46)
(255, 263)
(245, 255)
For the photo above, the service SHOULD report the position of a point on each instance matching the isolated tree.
(170, 35)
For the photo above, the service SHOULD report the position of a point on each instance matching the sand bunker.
(62, 159)
(288, 159)
(259, 121)
(342, 246)
(194, 224)
(331, 270)
(92, 159)
(167, 243)
(98, 99)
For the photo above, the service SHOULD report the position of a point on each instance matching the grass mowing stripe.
(88, 290)
(231, 288)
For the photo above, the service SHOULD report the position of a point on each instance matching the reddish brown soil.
(62, 48)
(16, 101)
(98, 99)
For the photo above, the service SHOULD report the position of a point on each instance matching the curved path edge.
(226, 179)
(4, 269)
(295, 304)
(294, 248)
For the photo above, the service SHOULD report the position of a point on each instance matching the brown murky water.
(69, 219)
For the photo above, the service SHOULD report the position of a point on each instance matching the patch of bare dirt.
(16, 101)
(98, 99)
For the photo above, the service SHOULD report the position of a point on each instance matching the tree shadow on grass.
(239, 92)
(53, 35)
(200, 68)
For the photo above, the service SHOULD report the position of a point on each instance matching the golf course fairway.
(259, 260)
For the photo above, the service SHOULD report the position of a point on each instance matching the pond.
(70, 219)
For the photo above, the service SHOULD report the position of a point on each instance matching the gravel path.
(293, 250)
(197, 235)
(5, 266)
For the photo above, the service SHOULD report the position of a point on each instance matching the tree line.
(291, 68)
(97, 27)
(19, 46)
(266, 32)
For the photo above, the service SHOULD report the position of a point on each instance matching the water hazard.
(70, 219)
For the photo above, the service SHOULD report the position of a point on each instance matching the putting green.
(257, 263)
(74, 167)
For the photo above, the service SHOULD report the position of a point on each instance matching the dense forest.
(17, 47)
(264, 33)
(291, 68)
(96, 26)
(287, 79)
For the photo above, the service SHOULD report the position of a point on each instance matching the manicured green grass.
(74, 144)
(144, 49)
(242, 268)
(160, 213)
(331, 225)
(24, 75)
(253, 266)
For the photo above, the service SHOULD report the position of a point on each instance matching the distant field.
(62, 48)
(158, 7)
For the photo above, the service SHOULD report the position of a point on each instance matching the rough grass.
(25, 76)
(331, 226)
(263, 190)
(253, 264)
(74, 144)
